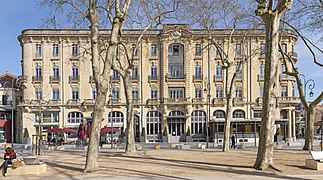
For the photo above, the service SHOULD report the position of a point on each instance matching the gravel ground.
(175, 164)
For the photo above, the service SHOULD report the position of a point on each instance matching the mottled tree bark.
(271, 17)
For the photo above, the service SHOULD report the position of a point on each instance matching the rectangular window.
(115, 94)
(283, 69)
(239, 92)
(219, 92)
(238, 50)
(239, 72)
(55, 94)
(153, 94)
(134, 50)
(219, 72)
(38, 72)
(55, 72)
(198, 93)
(38, 52)
(198, 72)
(115, 74)
(219, 52)
(262, 49)
(262, 70)
(153, 50)
(284, 48)
(284, 91)
(257, 114)
(135, 75)
(153, 72)
(198, 50)
(261, 91)
(55, 50)
(75, 94)
(74, 50)
(39, 94)
(94, 94)
(135, 94)
(176, 93)
(75, 72)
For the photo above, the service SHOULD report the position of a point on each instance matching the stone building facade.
(177, 82)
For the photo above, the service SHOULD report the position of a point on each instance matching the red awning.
(2, 122)
(109, 129)
(58, 130)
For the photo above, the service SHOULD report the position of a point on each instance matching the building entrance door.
(176, 128)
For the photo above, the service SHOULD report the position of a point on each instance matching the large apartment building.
(177, 82)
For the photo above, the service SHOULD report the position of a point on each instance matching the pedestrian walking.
(233, 142)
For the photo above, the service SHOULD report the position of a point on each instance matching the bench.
(173, 145)
(201, 146)
(183, 146)
(316, 162)
(31, 165)
(56, 148)
(157, 146)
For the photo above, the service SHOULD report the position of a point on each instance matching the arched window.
(116, 116)
(219, 114)
(176, 113)
(197, 122)
(75, 117)
(154, 123)
(238, 114)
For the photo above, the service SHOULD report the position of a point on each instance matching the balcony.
(152, 79)
(219, 101)
(176, 101)
(262, 56)
(54, 79)
(37, 79)
(88, 102)
(22, 79)
(285, 77)
(112, 102)
(239, 77)
(153, 102)
(115, 79)
(73, 102)
(261, 77)
(259, 101)
(238, 101)
(53, 102)
(197, 101)
(217, 78)
(175, 78)
(91, 79)
(74, 79)
(289, 100)
(293, 55)
(197, 78)
(135, 78)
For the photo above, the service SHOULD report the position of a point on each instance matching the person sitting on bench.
(8, 157)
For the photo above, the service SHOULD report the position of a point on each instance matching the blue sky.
(17, 15)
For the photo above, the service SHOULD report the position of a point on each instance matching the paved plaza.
(168, 163)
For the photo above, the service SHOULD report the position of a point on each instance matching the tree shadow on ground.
(62, 169)
(227, 168)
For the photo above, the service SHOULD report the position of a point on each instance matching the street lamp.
(111, 118)
(311, 85)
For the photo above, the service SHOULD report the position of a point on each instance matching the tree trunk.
(265, 150)
(227, 125)
(130, 144)
(309, 134)
(93, 148)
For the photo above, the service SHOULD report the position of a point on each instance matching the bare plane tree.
(228, 15)
(271, 12)
(112, 14)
